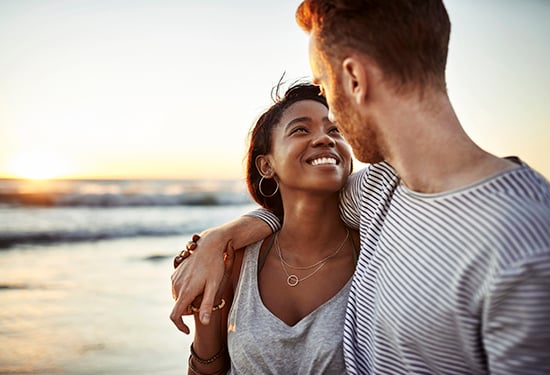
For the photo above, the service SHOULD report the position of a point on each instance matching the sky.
(170, 89)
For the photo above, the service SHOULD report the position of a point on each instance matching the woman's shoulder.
(260, 247)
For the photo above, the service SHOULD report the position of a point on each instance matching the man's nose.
(331, 116)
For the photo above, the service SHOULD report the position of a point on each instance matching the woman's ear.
(263, 166)
(355, 78)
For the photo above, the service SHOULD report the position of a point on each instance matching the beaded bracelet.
(190, 247)
(197, 372)
(215, 308)
(209, 360)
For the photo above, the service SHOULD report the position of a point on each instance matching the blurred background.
(123, 128)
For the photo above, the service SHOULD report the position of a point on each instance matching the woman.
(287, 293)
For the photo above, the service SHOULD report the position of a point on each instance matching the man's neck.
(429, 149)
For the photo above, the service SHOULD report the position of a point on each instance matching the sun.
(38, 165)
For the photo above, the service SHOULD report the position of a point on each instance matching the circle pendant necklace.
(292, 280)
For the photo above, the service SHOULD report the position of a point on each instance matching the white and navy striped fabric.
(453, 283)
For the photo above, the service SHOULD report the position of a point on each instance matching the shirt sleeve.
(350, 197)
(268, 217)
(516, 326)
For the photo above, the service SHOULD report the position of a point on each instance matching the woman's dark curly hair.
(260, 140)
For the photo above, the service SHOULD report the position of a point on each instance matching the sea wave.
(122, 193)
(8, 240)
(48, 212)
(123, 200)
(20, 225)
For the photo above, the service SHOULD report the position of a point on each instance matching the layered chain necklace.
(292, 279)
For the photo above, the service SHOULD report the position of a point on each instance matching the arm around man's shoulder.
(366, 188)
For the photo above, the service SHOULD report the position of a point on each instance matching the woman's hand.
(201, 273)
(229, 258)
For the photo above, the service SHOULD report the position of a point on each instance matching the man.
(454, 270)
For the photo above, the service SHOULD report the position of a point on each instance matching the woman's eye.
(334, 130)
(299, 129)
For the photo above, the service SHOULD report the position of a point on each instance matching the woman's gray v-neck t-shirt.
(261, 343)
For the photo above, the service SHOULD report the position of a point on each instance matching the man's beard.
(360, 133)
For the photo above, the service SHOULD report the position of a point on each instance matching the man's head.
(405, 41)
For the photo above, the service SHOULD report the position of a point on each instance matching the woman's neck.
(311, 225)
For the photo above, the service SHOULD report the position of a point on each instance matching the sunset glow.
(38, 166)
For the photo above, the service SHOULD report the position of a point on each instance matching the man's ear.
(263, 166)
(355, 80)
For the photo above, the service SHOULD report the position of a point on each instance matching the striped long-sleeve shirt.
(449, 283)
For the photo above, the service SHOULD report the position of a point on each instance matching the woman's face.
(308, 151)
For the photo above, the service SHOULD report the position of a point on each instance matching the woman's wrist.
(198, 369)
(208, 356)
(209, 360)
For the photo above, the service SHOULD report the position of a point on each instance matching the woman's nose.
(323, 139)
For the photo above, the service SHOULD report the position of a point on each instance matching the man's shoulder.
(513, 209)
(524, 184)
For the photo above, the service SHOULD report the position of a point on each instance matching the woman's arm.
(209, 354)
(202, 273)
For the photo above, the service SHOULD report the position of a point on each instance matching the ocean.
(85, 271)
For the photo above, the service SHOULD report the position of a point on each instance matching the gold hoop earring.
(264, 194)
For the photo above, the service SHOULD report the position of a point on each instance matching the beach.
(74, 303)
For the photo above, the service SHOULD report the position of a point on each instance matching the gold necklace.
(315, 264)
(292, 279)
